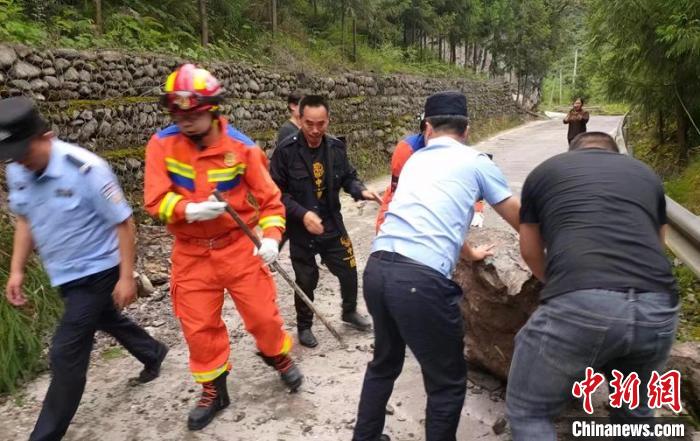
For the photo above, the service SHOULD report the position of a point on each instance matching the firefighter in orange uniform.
(185, 163)
(404, 149)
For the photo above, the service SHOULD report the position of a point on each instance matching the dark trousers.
(337, 254)
(88, 307)
(412, 304)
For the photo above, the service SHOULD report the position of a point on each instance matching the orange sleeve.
(268, 196)
(401, 154)
(398, 159)
(160, 198)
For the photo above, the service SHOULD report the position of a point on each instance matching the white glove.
(268, 251)
(478, 220)
(201, 211)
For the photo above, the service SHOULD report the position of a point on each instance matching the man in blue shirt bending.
(70, 207)
(407, 283)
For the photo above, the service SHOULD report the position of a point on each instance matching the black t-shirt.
(286, 130)
(319, 181)
(600, 214)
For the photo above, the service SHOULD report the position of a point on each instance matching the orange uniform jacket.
(178, 173)
(404, 149)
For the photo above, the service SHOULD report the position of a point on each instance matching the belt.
(212, 243)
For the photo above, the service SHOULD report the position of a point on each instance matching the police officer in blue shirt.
(70, 207)
(407, 283)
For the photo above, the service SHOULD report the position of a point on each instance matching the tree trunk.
(682, 134)
(98, 17)
(342, 28)
(354, 39)
(274, 17)
(205, 22)
(475, 58)
(466, 54)
(453, 51)
(660, 126)
(484, 55)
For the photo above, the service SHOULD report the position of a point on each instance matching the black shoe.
(357, 321)
(307, 338)
(289, 372)
(214, 398)
(384, 437)
(151, 371)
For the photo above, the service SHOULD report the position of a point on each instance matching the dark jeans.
(412, 304)
(605, 330)
(88, 307)
(337, 254)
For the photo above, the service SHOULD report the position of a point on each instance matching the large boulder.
(685, 358)
(500, 294)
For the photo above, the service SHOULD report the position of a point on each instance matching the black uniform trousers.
(412, 304)
(337, 254)
(88, 307)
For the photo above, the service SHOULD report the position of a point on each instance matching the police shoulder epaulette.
(83, 167)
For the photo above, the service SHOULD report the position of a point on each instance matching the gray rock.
(89, 129)
(8, 56)
(71, 75)
(253, 85)
(499, 426)
(105, 129)
(21, 85)
(23, 70)
(70, 54)
(38, 85)
(86, 115)
(85, 76)
(111, 56)
(85, 91)
(61, 64)
(48, 71)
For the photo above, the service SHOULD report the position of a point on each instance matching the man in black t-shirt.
(291, 126)
(592, 229)
(311, 168)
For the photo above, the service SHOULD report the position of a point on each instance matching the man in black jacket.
(310, 168)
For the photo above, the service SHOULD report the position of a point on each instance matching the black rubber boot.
(307, 338)
(357, 321)
(289, 372)
(214, 398)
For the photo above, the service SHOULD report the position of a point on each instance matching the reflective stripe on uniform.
(225, 174)
(205, 377)
(272, 221)
(286, 345)
(167, 206)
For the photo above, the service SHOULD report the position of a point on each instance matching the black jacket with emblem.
(291, 169)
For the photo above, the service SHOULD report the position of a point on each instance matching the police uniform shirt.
(433, 206)
(72, 207)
